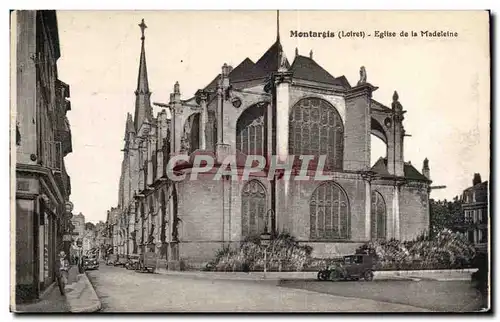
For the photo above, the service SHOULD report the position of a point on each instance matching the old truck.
(352, 267)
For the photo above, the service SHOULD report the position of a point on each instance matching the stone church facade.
(268, 107)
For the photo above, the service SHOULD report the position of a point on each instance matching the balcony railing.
(52, 155)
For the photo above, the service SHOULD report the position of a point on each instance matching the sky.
(443, 83)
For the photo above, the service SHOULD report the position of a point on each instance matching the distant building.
(475, 209)
(43, 138)
(79, 222)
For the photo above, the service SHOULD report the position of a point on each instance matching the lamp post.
(265, 240)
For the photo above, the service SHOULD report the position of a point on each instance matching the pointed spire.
(277, 26)
(143, 110)
(311, 54)
(129, 127)
(296, 51)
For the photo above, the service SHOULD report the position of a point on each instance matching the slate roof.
(380, 167)
(307, 69)
(302, 67)
(380, 106)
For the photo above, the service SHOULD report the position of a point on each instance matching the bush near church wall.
(284, 254)
(445, 250)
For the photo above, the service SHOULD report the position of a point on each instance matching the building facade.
(43, 139)
(268, 108)
(78, 222)
(476, 215)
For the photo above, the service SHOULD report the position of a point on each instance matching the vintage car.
(147, 262)
(121, 260)
(111, 259)
(132, 262)
(352, 267)
(90, 263)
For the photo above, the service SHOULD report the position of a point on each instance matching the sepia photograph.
(250, 161)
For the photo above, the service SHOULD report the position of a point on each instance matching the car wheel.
(368, 276)
(322, 276)
(334, 276)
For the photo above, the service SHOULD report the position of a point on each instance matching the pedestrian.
(62, 267)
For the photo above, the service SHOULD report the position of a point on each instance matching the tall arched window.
(211, 131)
(192, 132)
(317, 129)
(379, 216)
(329, 213)
(253, 208)
(250, 131)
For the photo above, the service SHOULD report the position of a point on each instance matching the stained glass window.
(379, 216)
(253, 208)
(317, 129)
(250, 131)
(329, 213)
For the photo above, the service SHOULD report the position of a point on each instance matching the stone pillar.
(202, 99)
(368, 206)
(282, 80)
(131, 227)
(222, 149)
(151, 144)
(176, 111)
(395, 212)
(395, 164)
(357, 127)
(160, 123)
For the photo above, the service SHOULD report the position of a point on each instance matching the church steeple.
(143, 110)
(277, 26)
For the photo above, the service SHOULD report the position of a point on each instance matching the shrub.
(283, 254)
(446, 249)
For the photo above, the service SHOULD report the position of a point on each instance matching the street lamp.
(265, 240)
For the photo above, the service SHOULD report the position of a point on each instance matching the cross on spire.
(143, 26)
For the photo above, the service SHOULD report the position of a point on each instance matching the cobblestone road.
(121, 290)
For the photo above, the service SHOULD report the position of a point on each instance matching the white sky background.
(443, 84)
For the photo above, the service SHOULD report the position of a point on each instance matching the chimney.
(477, 179)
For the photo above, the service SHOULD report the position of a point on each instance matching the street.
(441, 296)
(122, 290)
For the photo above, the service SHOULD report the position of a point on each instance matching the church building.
(270, 107)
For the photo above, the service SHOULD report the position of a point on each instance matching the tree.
(446, 215)
(89, 226)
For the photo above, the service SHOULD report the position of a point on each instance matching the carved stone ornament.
(282, 67)
(362, 75)
(184, 144)
(388, 122)
(236, 102)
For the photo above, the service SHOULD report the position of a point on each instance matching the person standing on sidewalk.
(62, 268)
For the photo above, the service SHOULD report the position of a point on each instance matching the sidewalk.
(81, 296)
(51, 300)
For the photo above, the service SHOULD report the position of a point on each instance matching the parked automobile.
(132, 262)
(90, 263)
(120, 261)
(352, 267)
(110, 261)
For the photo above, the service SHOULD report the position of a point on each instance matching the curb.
(83, 287)
(310, 275)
